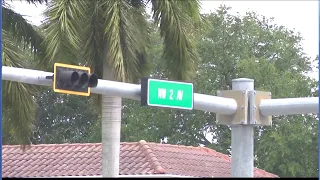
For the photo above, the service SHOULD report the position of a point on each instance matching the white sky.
(301, 16)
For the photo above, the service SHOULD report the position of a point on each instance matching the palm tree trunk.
(111, 125)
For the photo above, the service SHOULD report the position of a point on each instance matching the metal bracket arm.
(248, 112)
(241, 115)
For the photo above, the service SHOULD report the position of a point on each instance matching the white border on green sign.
(173, 82)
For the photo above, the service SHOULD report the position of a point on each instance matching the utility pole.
(242, 124)
(242, 139)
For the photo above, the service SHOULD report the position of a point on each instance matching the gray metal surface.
(242, 139)
(131, 91)
(288, 106)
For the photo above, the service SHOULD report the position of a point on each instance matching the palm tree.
(112, 38)
(19, 41)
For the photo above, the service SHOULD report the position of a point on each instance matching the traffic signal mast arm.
(221, 105)
(289, 106)
(241, 108)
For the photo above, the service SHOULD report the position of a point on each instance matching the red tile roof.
(49, 160)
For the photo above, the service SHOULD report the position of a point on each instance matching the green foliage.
(65, 38)
(179, 50)
(234, 46)
(290, 147)
(118, 32)
(20, 30)
(63, 118)
(19, 41)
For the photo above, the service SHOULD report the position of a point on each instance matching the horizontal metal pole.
(202, 102)
(221, 105)
(286, 106)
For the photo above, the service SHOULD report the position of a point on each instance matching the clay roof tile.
(49, 160)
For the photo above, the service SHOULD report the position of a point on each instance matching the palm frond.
(176, 26)
(37, 1)
(92, 36)
(12, 53)
(32, 1)
(18, 102)
(20, 107)
(62, 26)
(192, 8)
(126, 37)
(21, 30)
(127, 27)
(138, 3)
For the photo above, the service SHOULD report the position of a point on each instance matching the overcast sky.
(302, 16)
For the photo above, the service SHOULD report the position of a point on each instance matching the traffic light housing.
(70, 79)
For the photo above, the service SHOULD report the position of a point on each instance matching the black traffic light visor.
(68, 77)
(93, 80)
(84, 78)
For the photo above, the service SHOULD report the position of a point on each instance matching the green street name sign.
(170, 94)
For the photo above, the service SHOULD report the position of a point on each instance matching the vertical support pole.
(242, 139)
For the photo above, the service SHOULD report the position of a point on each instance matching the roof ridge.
(152, 158)
(175, 145)
(206, 149)
(64, 144)
(216, 153)
(263, 172)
